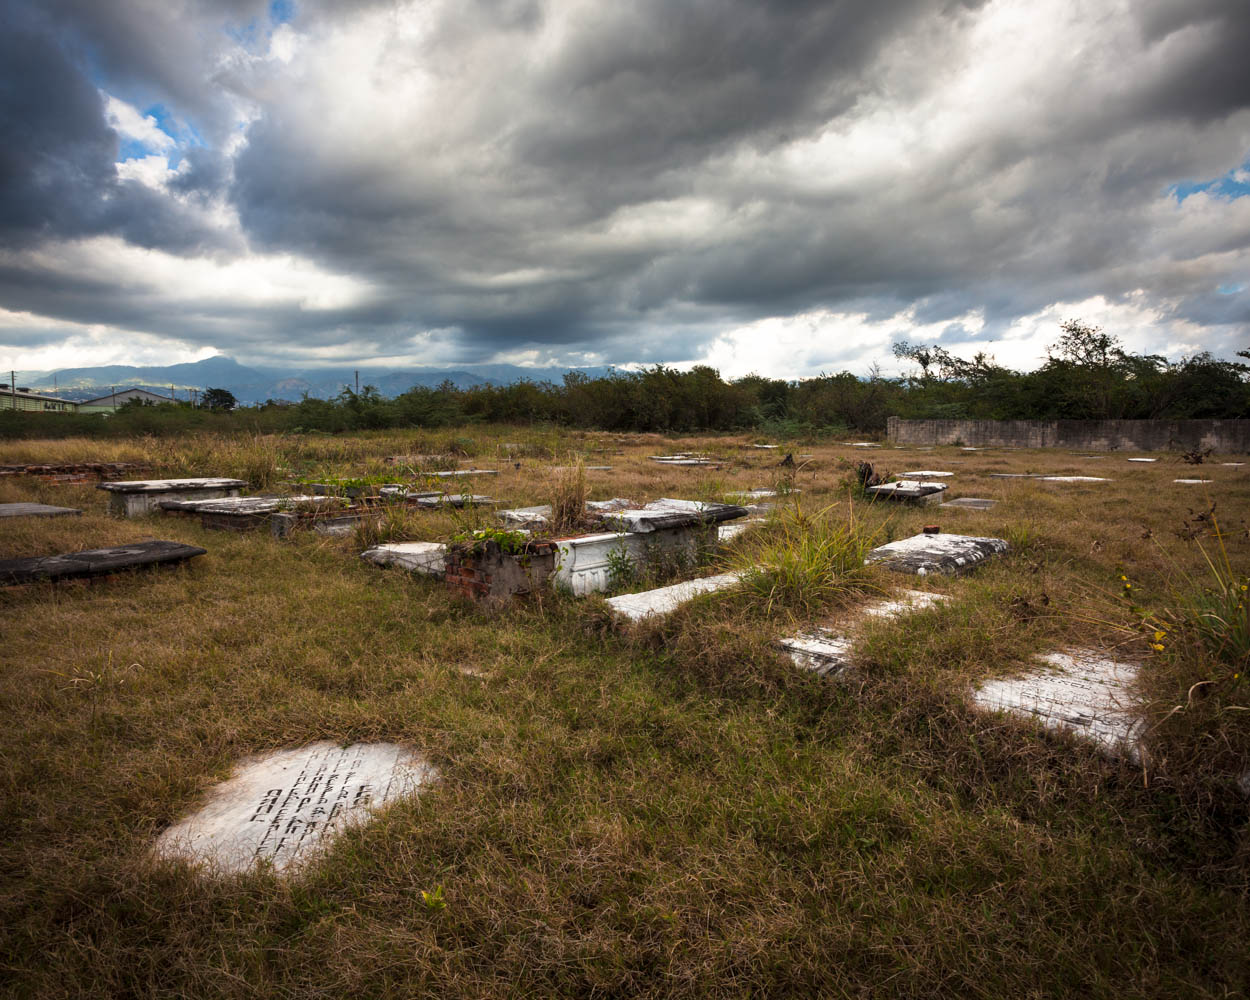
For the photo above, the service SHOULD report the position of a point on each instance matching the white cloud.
(133, 124)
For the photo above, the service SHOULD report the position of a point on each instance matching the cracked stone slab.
(970, 503)
(138, 497)
(35, 510)
(664, 600)
(828, 652)
(924, 555)
(282, 808)
(416, 557)
(1079, 691)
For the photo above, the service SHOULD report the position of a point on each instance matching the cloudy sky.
(779, 186)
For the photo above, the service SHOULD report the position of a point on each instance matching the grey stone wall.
(1094, 435)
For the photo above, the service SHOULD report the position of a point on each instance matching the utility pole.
(13, 388)
(357, 381)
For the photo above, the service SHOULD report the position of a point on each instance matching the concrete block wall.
(1225, 436)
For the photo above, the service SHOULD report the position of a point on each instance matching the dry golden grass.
(669, 810)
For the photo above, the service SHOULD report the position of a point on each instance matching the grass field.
(665, 810)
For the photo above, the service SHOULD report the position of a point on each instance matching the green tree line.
(1087, 375)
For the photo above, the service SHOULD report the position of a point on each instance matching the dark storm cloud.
(625, 178)
(58, 176)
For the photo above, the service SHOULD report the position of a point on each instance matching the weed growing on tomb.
(568, 496)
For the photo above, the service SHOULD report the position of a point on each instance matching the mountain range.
(255, 385)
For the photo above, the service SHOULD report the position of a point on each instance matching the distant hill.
(255, 385)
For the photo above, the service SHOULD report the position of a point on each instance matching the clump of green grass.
(805, 562)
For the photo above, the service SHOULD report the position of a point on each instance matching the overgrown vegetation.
(665, 810)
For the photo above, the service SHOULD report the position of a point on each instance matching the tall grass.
(568, 495)
(802, 563)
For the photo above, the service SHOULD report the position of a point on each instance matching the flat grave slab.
(930, 474)
(282, 807)
(35, 510)
(667, 599)
(828, 652)
(766, 447)
(1079, 691)
(1235, 465)
(670, 513)
(1074, 479)
(453, 500)
(95, 562)
(728, 532)
(909, 491)
(970, 503)
(1192, 482)
(1142, 460)
(1014, 475)
(416, 557)
(924, 555)
(680, 459)
(134, 498)
(463, 472)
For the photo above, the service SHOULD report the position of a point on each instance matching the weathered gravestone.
(282, 807)
(35, 510)
(938, 553)
(914, 491)
(1079, 691)
(416, 557)
(134, 498)
(664, 600)
(970, 503)
(95, 562)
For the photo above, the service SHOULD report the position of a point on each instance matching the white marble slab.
(1074, 479)
(924, 555)
(1079, 691)
(416, 557)
(1192, 482)
(282, 807)
(668, 599)
(1143, 460)
(930, 473)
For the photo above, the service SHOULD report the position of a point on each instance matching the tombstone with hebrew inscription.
(281, 807)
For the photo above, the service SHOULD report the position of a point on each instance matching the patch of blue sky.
(132, 149)
(1234, 184)
(253, 33)
(281, 11)
(1232, 289)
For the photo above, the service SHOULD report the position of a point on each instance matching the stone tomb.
(1079, 691)
(970, 503)
(35, 510)
(930, 473)
(95, 562)
(138, 497)
(924, 555)
(913, 491)
(282, 807)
